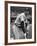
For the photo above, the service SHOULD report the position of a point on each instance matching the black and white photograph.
(20, 22)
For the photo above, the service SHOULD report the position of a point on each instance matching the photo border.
(6, 22)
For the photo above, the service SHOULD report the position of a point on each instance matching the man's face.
(26, 21)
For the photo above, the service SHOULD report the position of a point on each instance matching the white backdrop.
(2, 26)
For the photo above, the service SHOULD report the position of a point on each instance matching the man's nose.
(26, 21)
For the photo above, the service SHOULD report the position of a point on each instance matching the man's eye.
(28, 19)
